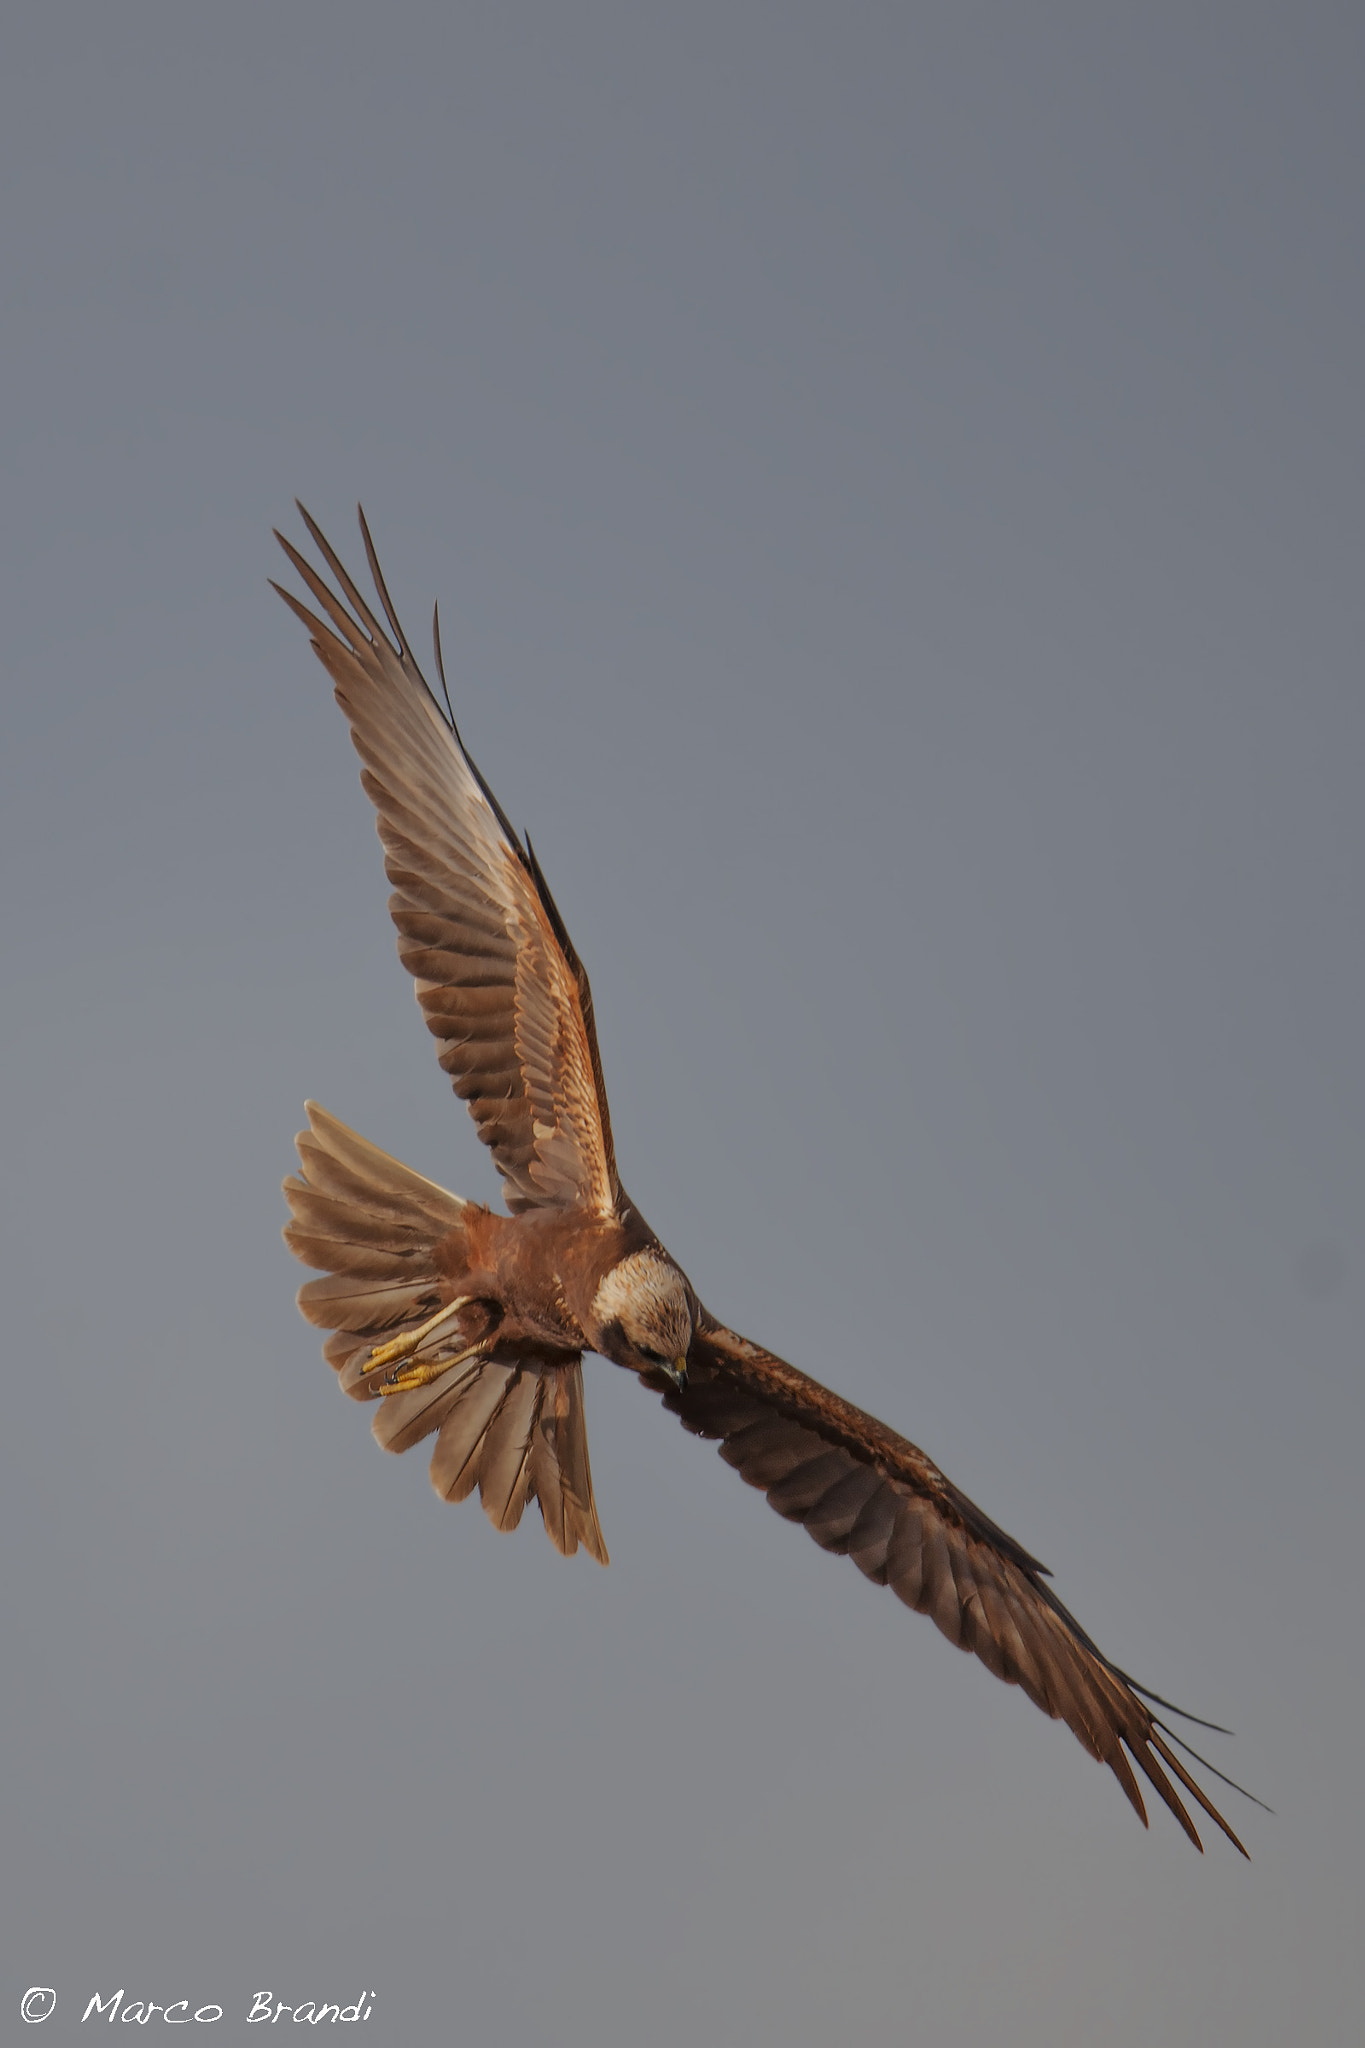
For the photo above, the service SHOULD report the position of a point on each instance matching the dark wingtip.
(1213, 1769)
(440, 665)
(309, 620)
(378, 577)
(1194, 1720)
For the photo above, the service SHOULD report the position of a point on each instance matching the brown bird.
(471, 1327)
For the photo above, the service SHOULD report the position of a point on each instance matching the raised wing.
(498, 980)
(860, 1489)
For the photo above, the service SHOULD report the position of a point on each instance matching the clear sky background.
(893, 479)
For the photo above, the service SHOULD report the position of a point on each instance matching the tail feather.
(457, 1461)
(504, 1468)
(337, 1161)
(514, 1430)
(559, 1472)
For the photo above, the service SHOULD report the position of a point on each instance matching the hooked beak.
(677, 1372)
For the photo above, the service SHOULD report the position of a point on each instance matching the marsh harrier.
(470, 1327)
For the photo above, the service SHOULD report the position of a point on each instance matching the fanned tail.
(389, 1243)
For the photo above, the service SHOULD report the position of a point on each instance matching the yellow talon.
(423, 1371)
(404, 1346)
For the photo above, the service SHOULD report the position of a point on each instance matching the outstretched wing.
(500, 985)
(861, 1489)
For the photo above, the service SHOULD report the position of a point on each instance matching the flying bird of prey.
(470, 1327)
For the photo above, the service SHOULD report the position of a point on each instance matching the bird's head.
(643, 1312)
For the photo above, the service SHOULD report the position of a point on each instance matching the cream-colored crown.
(647, 1296)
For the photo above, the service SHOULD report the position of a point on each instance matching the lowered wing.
(860, 1489)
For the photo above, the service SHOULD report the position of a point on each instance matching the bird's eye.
(654, 1357)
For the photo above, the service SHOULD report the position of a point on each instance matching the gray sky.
(892, 476)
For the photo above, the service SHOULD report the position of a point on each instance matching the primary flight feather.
(471, 1326)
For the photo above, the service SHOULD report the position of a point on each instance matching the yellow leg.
(422, 1371)
(404, 1346)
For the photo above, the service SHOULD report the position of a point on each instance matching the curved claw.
(422, 1371)
(407, 1344)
